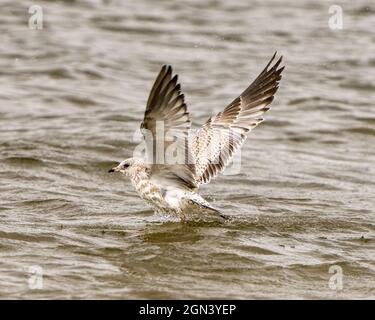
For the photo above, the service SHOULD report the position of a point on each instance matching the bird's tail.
(203, 204)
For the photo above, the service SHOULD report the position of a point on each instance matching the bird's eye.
(126, 165)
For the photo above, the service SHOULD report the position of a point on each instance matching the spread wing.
(218, 139)
(165, 127)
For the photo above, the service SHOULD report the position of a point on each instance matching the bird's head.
(128, 166)
(123, 167)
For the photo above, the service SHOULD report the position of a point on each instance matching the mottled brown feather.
(239, 117)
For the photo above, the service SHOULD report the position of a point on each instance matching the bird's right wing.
(218, 139)
(165, 127)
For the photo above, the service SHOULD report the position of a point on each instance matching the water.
(73, 93)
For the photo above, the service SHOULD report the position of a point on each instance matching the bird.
(170, 187)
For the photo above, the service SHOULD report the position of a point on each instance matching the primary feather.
(218, 139)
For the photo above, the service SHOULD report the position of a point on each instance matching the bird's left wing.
(165, 127)
(218, 139)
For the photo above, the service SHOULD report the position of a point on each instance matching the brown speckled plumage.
(172, 187)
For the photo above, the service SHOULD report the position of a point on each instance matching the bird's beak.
(114, 169)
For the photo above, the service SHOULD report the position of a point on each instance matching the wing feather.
(166, 106)
(218, 139)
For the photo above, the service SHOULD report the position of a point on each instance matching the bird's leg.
(182, 217)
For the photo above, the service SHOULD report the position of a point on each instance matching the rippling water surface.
(73, 93)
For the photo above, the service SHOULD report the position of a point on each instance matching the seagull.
(170, 187)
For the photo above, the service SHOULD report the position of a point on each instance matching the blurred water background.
(73, 93)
